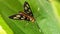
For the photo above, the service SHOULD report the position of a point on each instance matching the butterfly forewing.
(17, 17)
(27, 9)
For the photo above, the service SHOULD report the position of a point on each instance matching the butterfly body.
(25, 15)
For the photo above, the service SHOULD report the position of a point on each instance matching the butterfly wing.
(27, 9)
(26, 15)
(17, 17)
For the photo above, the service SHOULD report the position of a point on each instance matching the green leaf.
(10, 7)
(43, 12)
(4, 28)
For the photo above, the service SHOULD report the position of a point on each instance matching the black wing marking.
(27, 9)
(17, 17)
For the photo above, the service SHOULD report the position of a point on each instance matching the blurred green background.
(46, 14)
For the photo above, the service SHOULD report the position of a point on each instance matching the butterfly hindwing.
(27, 9)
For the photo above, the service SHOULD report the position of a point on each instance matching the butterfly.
(25, 15)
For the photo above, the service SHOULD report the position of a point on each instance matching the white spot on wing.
(29, 10)
(22, 18)
(25, 8)
(18, 16)
(27, 5)
(15, 18)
